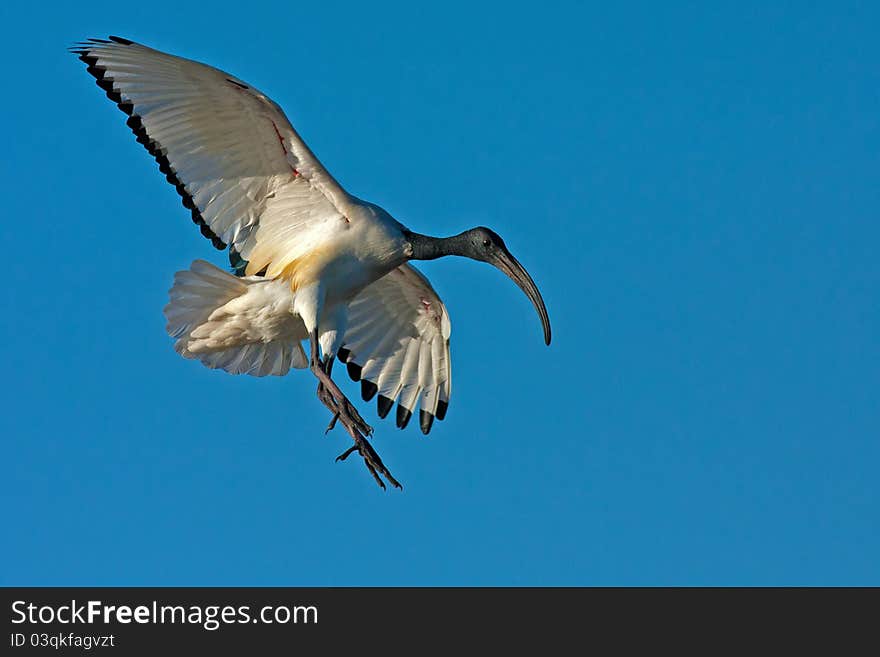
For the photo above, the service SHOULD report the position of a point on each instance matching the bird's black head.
(482, 244)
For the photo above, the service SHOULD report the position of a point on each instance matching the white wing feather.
(241, 168)
(397, 345)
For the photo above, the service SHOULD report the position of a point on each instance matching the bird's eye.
(486, 243)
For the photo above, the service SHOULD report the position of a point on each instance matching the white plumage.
(310, 261)
(241, 325)
(251, 183)
(398, 336)
(229, 145)
(396, 342)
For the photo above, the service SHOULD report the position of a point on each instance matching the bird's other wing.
(239, 166)
(397, 345)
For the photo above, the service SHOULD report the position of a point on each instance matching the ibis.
(309, 262)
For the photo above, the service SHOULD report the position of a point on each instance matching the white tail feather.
(241, 325)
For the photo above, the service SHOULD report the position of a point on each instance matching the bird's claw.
(371, 460)
(332, 424)
(346, 453)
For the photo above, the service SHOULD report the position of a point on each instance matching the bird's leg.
(329, 401)
(333, 398)
(325, 397)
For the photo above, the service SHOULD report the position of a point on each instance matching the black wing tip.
(85, 55)
(426, 419)
(343, 354)
(403, 416)
(136, 125)
(442, 407)
(82, 47)
(384, 405)
(354, 371)
(368, 390)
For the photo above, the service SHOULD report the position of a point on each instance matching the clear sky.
(693, 187)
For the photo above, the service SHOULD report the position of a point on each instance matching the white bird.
(310, 261)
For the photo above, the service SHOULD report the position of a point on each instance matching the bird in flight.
(309, 261)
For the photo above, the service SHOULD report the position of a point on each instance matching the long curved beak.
(518, 274)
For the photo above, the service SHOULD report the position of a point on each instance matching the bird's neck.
(425, 247)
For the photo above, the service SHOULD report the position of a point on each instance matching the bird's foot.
(358, 430)
(344, 410)
(371, 459)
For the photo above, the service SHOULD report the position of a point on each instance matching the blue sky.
(694, 188)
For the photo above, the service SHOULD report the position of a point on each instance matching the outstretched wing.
(234, 158)
(397, 345)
